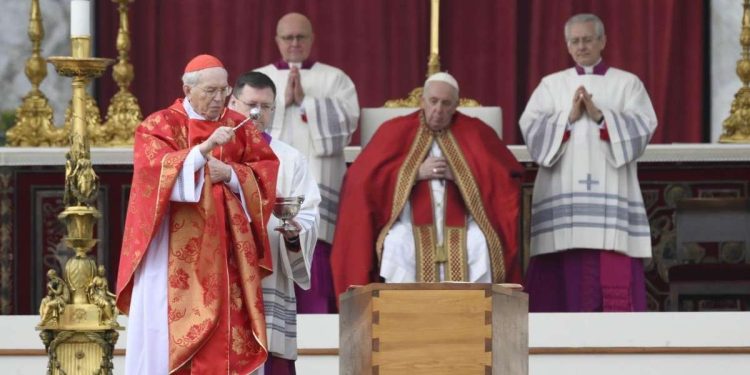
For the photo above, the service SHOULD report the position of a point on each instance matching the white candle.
(80, 22)
(434, 26)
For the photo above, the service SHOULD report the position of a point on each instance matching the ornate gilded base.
(123, 116)
(81, 342)
(725, 139)
(79, 352)
(34, 126)
(93, 121)
(82, 316)
(737, 125)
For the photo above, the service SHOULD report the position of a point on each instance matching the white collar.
(192, 114)
(590, 68)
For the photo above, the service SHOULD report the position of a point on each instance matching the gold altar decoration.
(737, 125)
(78, 317)
(433, 66)
(93, 120)
(34, 120)
(433, 61)
(124, 113)
(34, 126)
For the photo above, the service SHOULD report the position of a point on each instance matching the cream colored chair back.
(372, 118)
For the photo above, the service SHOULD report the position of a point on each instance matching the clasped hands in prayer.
(218, 171)
(582, 103)
(434, 167)
(294, 93)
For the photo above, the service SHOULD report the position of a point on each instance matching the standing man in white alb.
(316, 113)
(292, 251)
(586, 126)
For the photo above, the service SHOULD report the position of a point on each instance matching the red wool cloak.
(372, 183)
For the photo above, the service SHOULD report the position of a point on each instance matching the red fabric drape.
(497, 49)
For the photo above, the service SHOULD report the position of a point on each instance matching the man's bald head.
(293, 19)
(294, 36)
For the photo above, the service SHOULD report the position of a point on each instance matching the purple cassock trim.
(266, 137)
(282, 65)
(582, 280)
(600, 69)
(279, 366)
(320, 298)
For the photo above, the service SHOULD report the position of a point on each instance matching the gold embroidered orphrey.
(428, 256)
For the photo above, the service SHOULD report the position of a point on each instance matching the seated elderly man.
(431, 198)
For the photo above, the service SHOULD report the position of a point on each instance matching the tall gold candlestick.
(34, 125)
(433, 65)
(78, 315)
(433, 61)
(434, 26)
(80, 47)
(90, 118)
(124, 113)
(737, 125)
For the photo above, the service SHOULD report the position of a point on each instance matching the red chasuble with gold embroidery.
(382, 179)
(216, 257)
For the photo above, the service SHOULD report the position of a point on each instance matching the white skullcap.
(443, 77)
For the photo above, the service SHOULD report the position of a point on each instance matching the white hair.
(193, 78)
(584, 18)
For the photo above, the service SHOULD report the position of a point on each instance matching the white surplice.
(332, 112)
(289, 267)
(587, 193)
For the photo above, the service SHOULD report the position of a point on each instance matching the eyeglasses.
(291, 38)
(265, 107)
(212, 91)
(587, 40)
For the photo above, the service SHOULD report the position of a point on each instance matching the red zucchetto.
(201, 62)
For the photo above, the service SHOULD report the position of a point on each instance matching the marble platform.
(559, 344)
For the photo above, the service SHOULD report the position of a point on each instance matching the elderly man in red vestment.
(195, 246)
(431, 198)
